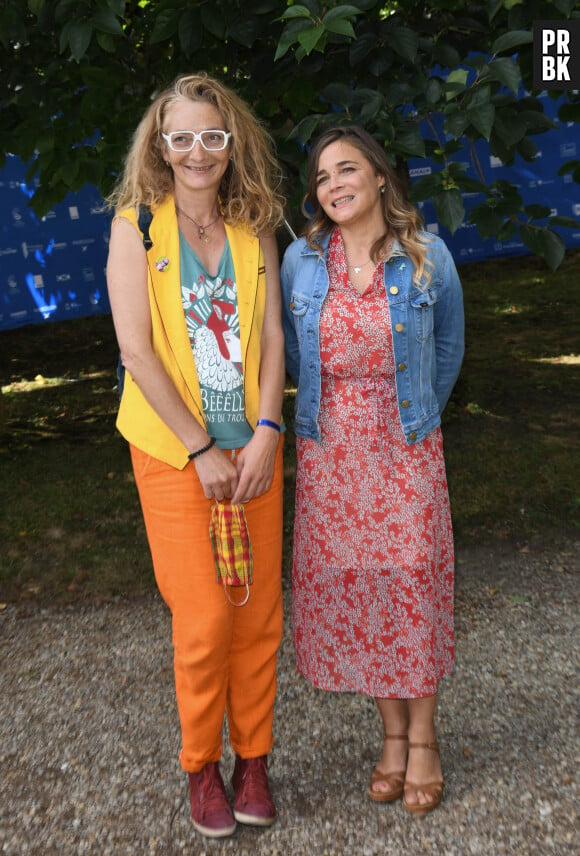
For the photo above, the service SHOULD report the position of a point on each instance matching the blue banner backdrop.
(538, 183)
(53, 268)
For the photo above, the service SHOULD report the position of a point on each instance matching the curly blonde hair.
(402, 220)
(249, 191)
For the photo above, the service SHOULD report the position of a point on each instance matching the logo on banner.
(557, 54)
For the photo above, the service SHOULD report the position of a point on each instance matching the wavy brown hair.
(402, 220)
(249, 191)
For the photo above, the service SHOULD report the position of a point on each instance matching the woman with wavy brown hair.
(194, 287)
(373, 316)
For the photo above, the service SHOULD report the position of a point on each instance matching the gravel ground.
(89, 732)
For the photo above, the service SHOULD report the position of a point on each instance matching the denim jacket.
(427, 331)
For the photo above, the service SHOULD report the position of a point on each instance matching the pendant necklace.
(201, 234)
(358, 268)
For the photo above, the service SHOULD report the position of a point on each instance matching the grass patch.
(511, 430)
(70, 522)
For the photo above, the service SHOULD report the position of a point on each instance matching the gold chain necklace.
(202, 235)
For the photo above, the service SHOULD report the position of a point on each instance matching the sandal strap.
(395, 736)
(434, 746)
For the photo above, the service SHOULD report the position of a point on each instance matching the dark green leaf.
(340, 26)
(338, 94)
(544, 242)
(45, 142)
(361, 47)
(455, 123)
(537, 212)
(305, 129)
(433, 90)
(506, 71)
(527, 149)
(488, 220)
(482, 119)
(405, 42)
(79, 38)
(426, 187)
(117, 6)
(449, 208)
(511, 40)
(290, 35)
(569, 113)
(213, 20)
(507, 231)
(371, 107)
(455, 83)
(509, 128)
(566, 6)
(445, 55)
(569, 166)
(470, 185)
(245, 32)
(106, 21)
(309, 39)
(165, 26)
(480, 95)
(567, 222)
(106, 42)
(296, 12)
(190, 32)
(410, 142)
(339, 13)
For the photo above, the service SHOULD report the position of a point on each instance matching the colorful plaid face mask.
(232, 549)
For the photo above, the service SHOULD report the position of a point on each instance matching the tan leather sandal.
(434, 790)
(394, 780)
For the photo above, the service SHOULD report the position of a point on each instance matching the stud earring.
(382, 189)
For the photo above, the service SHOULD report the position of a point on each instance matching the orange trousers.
(224, 655)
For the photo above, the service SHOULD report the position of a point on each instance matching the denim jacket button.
(393, 289)
(402, 366)
(399, 328)
(405, 403)
(413, 435)
(291, 304)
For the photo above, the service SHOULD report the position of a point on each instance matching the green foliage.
(77, 75)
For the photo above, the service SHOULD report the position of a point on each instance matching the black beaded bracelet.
(203, 449)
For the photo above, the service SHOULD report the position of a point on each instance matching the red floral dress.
(373, 545)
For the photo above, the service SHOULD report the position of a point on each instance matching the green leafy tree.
(427, 78)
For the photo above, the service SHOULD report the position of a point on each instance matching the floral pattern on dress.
(373, 545)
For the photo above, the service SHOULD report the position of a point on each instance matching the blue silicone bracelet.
(269, 424)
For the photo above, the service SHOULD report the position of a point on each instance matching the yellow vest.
(136, 420)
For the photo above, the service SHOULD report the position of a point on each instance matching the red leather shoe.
(253, 802)
(210, 809)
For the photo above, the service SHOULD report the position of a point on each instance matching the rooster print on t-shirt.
(211, 313)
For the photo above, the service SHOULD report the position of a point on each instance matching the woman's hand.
(255, 465)
(218, 476)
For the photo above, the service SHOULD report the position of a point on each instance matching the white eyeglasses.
(184, 141)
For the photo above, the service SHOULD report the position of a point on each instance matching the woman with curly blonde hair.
(373, 316)
(193, 280)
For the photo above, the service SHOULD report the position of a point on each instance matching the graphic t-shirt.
(210, 304)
